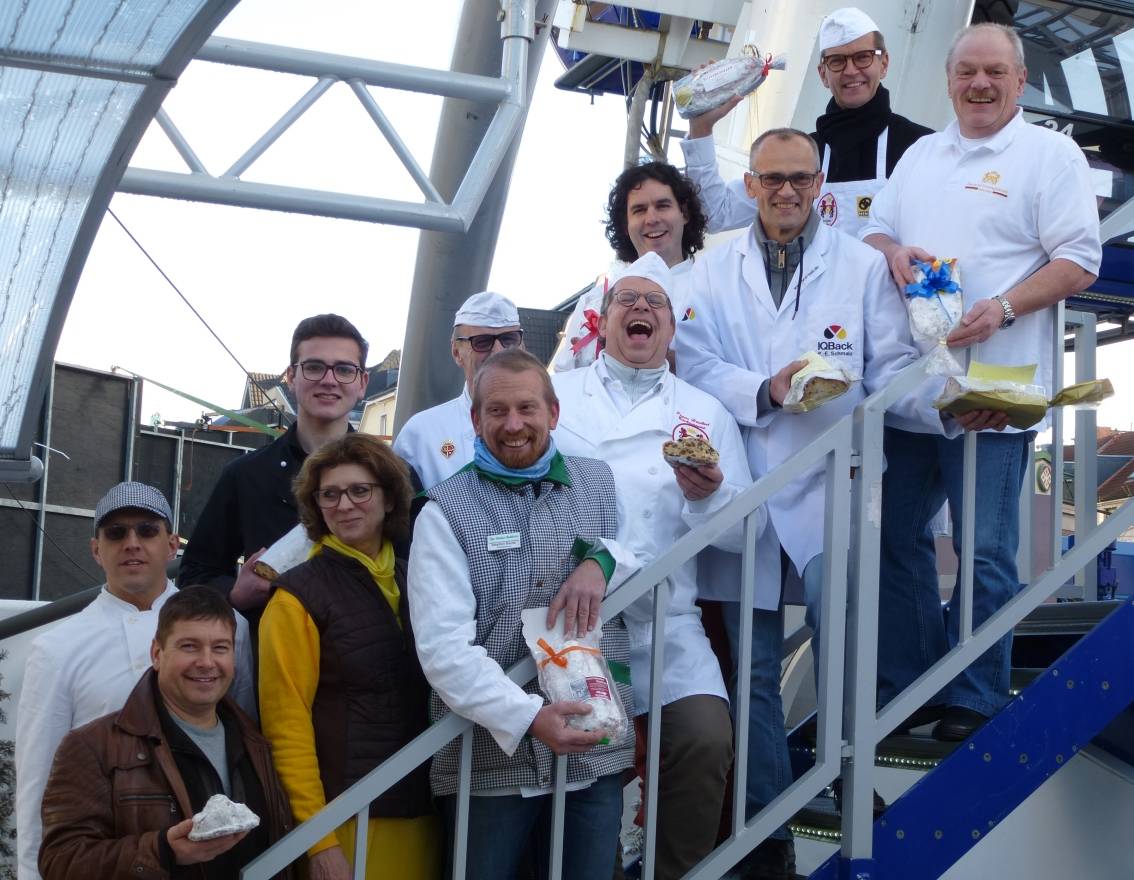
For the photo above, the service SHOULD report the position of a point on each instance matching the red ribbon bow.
(591, 325)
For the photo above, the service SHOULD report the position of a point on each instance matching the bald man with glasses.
(438, 442)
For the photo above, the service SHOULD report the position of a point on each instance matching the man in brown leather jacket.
(123, 788)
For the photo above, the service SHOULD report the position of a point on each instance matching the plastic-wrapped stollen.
(935, 304)
(815, 384)
(706, 89)
(220, 817)
(574, 670)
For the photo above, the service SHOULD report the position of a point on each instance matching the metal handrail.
(848, 723)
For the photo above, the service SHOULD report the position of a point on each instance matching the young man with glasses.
(790, 285)
(87, 665)
(252, 505)
(438, 442)
(860, 138)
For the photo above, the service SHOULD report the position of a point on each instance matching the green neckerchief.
(556, 474)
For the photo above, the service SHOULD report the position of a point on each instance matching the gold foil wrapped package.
(1026, 405)
(815, 384)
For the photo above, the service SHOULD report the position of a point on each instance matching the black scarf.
(847, 128)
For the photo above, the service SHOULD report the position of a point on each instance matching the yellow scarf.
(381, 568)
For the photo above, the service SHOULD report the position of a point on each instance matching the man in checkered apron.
(520, 527)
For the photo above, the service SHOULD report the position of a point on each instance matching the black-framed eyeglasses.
(356, 492)
(862, 60)
(144, 530)
(799, 180)
(629, 298)
(314, 371)
(483, 342)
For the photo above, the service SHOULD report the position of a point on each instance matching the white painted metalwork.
(509, 92)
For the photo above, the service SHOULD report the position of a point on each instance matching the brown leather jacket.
(114, 789)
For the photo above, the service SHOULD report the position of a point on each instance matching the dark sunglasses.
(144, 530)
(483, 342)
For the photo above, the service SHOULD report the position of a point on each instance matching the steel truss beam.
(509, 92)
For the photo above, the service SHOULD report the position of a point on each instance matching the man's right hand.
(249, 590)
(330, 864)
(550, 728)
(781, 382)
(193, 852)
(901, 263)
(702, 126)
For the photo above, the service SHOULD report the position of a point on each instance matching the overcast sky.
(255, 274)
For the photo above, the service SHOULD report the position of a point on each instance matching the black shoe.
(774, 859)
(957, 724)
(920, 718)
(837, 790)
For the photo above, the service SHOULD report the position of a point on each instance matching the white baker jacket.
(849, 312)
(437, 442)
(592, 424)
(1004, 209)
(591, 299)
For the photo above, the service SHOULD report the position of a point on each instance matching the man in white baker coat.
(860, 138)
(652, 208)
(438, 442)
(1014, 203)
(788, 286)
(87, 665)
(621, 409)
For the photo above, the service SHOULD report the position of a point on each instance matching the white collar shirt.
(1004, 207)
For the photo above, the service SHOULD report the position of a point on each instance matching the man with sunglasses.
(252, 505)
(790, 285)
(860, 138)
(87, 665)
(438, 442)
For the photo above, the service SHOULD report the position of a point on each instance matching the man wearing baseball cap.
(860, 138)
(438, 442)
(87, 665)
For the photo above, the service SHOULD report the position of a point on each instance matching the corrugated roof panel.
(56, 133)
(129, 33)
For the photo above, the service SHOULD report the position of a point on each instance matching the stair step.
(1075, 618)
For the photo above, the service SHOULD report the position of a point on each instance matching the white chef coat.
(443, 609)
(437, 442)
(727, 205)
(849, 313)
(597, 420)
(1004, 209)
(575, 326)
(79, 670)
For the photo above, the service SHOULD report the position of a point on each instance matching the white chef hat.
(487, 309)
(844, 26)
(651, 267)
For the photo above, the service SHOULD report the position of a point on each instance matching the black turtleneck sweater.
(852, 136)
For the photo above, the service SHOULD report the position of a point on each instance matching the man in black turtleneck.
(860, 138)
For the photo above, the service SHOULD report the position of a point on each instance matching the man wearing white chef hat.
(438, 442)
(620, 410)
(860, 138)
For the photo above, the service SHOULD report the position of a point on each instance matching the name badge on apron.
(503, 541)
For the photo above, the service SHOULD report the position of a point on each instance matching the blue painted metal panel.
(948, 811)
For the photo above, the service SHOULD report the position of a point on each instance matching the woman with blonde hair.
(341, 689)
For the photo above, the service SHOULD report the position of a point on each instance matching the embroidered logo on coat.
(448, 448)
(863, 204)
(690, 427)
(828, 209)
(835, 342)
(689, 314)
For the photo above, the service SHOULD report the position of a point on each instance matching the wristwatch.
(1009, 312)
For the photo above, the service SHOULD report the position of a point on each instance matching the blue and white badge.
(503, 541)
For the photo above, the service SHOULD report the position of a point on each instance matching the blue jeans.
(500, 829)
(813, 599)
(923, 471)
(769, 765)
